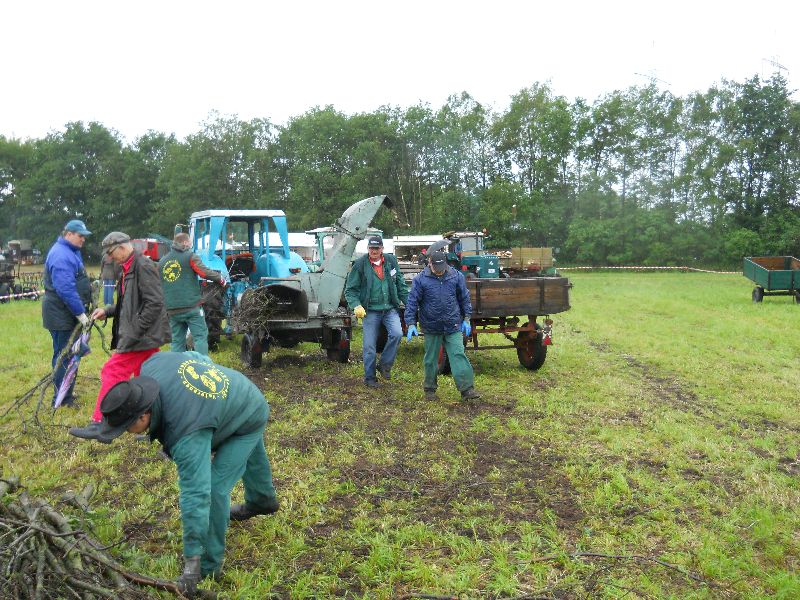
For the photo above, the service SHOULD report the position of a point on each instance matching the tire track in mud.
(665, 388)
(435, 460)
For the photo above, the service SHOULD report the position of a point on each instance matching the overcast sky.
(164, 65)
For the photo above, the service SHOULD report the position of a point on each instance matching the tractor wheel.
(251, 351)
(340, 352)
(758, 294)
(444, 362)
(213, 311)
(531, 350)
(5, 290)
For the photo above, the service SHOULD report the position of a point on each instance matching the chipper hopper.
(272, 297)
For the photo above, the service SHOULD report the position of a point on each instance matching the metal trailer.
(773, 276)
(499, 307)
(517, 308)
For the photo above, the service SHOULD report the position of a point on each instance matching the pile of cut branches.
(42, 556)
(256, 309)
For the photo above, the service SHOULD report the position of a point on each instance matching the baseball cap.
(123, 404)
(375, 241)
(114, 239)
(438, 258)
(76, 226)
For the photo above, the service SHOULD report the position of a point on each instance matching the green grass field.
(655, 455)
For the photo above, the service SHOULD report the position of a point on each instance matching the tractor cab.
(238, 243)
(465, 252)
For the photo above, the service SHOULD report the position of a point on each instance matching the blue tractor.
(272, 297)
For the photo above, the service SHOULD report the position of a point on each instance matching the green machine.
(465, 252)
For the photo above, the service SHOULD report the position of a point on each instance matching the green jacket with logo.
(196, 394)
(179, 271)
(199, 407)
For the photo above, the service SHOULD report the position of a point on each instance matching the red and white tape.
(22, 295)
(644, 268)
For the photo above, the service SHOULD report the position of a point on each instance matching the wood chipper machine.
(272, 297)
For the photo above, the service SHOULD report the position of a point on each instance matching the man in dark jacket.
(375, 290)
(67, 295)
(439, 293)
(180, 269)
(140, 325)
(210, 420)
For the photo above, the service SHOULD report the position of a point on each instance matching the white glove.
(83, 319)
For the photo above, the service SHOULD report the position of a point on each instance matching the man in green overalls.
(195, 408)
(180, 270)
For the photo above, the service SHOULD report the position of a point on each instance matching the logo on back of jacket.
(171, 271)
(204, 380)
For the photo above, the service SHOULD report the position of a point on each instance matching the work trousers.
(191, 320)
(119, 367)
(371, 326)
(206, 486)
(460, 366)
(60, 341)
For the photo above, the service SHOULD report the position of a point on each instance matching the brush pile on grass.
(42, 556)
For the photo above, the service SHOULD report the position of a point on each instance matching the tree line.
(639, 176)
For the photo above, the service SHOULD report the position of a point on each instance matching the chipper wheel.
(339, 351)
(252, 351)
(531, 350)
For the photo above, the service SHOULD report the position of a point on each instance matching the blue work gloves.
(412, 331)
(466, 328)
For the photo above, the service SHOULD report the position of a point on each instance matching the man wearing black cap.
(439, 293)
(375, 290)
(210, 420)
(140, 324)
(67, 295)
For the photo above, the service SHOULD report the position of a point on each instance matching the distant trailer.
(773, 276)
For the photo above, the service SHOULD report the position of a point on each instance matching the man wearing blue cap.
(67, 294)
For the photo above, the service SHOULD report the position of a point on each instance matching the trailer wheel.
(251, 351)
(340, 352)
(758, 294)
(531, 352)
(5, 290)
(797, 297)
(444, 362)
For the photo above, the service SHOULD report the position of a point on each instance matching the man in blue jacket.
(210, 420)
(439, 294)
(67, 295)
